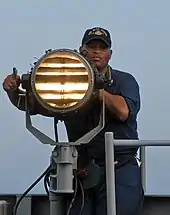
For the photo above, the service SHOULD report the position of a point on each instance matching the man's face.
(98, 52)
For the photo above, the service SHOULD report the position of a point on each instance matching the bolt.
(74, 154)
(55, 154)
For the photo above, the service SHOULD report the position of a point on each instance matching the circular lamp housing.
(62, 80)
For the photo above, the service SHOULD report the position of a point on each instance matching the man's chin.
(97, 65)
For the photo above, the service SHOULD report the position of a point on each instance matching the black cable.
(46, 175)
(83, 199)
(47, 183)
(30, 188)
(55, 129)
(74, 197)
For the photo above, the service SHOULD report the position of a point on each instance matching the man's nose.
(97, 50)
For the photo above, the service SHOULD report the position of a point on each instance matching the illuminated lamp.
(62, 82)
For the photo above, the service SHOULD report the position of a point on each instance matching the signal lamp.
(63, 81)
(60, 83)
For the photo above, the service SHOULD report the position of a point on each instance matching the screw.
(74, 154)
(55, 154)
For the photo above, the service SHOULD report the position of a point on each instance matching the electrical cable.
(46, 175)
(30, 188)
(74, 197)
(83, 198)
(55, 129)
(47, 183)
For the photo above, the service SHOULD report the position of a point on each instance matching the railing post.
(110, 173)
(143, 166)
(5, 208)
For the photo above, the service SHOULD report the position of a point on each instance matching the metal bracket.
(43, 138)
(92, 133)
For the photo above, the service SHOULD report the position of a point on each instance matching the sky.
(140, 32)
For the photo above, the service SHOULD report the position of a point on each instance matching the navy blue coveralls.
(129, 191)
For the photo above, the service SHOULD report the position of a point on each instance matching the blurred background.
(140, 32)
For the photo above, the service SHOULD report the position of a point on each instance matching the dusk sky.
(140, 32)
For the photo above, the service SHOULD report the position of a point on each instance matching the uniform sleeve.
(129, 90)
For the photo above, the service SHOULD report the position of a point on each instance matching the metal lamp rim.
(91, 81)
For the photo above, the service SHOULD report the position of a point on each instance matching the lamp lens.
(61, 80)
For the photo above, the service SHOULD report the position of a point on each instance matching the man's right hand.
(11, 83)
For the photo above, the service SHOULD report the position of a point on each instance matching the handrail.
(110, 142)
(141, 142)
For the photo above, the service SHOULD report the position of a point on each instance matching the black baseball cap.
(97, 33)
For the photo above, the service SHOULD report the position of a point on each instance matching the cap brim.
(98, 38)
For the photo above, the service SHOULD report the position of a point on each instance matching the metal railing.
(110, 142)
(5, 208)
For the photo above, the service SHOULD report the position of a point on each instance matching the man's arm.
(19, 102)
(14, 98)
(10, 86)
(128, 102)
(117, 105)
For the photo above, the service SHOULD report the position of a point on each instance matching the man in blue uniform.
(122, 101)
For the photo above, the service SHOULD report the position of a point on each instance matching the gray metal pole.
(63, 162)
(142, 142)
(110, 173)
(143, 166)
(56, 205)
(5, 208)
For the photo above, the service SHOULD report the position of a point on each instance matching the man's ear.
(80, 49)
(111, 52)
(83, 51)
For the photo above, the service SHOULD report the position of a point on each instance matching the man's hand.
(117, 105)
(11, 83)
